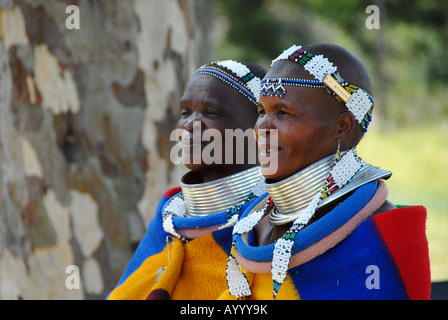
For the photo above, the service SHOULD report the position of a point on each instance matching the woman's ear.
(346, 124)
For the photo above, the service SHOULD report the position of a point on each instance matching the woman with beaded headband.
(184, 252)
(325, 230)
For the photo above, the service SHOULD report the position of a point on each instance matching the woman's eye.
(185, 112)
(209, 112)
(282, 112)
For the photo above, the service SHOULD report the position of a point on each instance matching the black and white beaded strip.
(228, 80)
(236, 72)
(274, 86)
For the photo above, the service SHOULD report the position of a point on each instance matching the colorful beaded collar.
(344, 170)
(316, 239)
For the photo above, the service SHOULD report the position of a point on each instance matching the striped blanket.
(165, 267)
(347, 254)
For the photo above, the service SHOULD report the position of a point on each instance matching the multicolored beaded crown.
(236, 75)
(357, 100)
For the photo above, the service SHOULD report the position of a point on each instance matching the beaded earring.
(338, 151)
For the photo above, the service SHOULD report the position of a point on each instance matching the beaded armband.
(357, 100)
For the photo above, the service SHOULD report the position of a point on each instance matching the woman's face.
(213, 104)
(307, 129)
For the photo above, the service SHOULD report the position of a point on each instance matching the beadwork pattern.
(249, 222)
(345, 168)
(343, 171)
(280, 261)
(360, 103)
(168, 225)
(274, 86)
(286, 54)
(176, 207)
(236, 280)
(319, 67)
(238, 77)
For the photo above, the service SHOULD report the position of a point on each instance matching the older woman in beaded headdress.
(184, 253)
(326, 229)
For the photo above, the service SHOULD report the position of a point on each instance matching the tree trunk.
(85, 120)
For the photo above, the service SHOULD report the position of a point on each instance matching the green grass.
(418, 158)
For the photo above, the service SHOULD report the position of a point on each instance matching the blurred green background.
(408, 62)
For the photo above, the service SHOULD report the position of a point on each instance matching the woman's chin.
(269, 172)
(194, 166)
(274, 174)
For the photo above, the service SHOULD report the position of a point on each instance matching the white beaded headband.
(357, 100)
(235, 74)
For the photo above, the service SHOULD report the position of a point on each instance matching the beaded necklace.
(343, 171)
(292, 195)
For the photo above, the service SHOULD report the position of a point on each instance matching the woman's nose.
(194, 122)
(263, 126)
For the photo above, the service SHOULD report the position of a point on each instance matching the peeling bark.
(85, 118)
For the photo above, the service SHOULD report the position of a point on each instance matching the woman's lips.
(191, 145)
(267, 152)
(266, 146)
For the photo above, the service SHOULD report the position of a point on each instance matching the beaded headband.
(236, 75)
(357, 100)
(274, 86)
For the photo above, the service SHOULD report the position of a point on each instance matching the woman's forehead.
(299, 97)
(208, 89)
